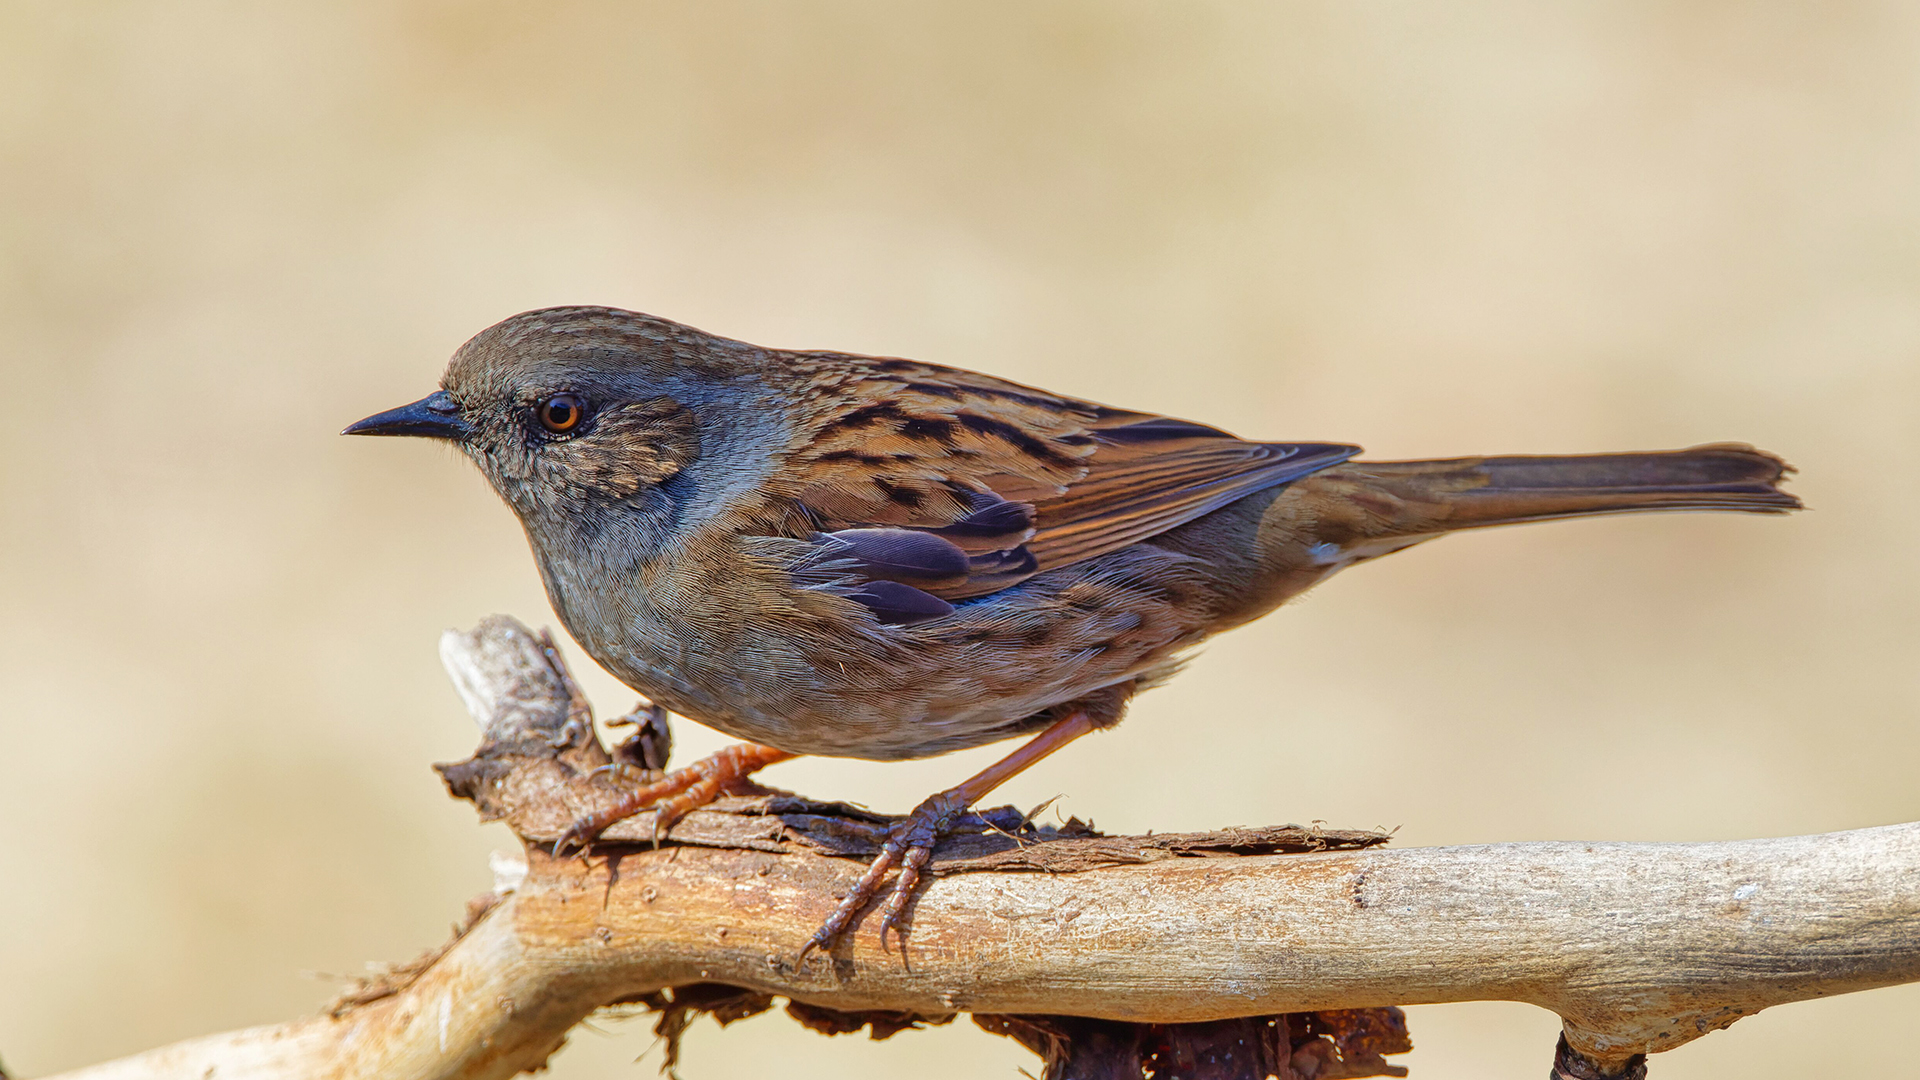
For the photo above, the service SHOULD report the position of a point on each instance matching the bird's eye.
(561, 413)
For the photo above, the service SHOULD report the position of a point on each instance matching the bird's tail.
(1423, 498)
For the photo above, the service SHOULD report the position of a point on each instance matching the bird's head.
(580, 414)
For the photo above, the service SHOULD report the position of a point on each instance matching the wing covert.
(958, 485)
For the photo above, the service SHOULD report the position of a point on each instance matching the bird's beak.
(436, 416)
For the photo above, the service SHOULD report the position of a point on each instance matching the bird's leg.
(674, 794)
(910, 842)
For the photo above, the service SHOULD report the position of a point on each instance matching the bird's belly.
(881, 719)
(847, 688)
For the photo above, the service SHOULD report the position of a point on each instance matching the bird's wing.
(955, 484)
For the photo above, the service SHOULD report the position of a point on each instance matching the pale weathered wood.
(1638, 947)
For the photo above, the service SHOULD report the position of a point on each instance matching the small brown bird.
(878, 558)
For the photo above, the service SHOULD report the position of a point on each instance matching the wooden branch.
(1638, 947)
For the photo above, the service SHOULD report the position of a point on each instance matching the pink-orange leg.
(910, 842)
(674, 794)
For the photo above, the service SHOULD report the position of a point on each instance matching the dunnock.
(879, 558)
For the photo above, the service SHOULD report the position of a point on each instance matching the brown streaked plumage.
(871, 557)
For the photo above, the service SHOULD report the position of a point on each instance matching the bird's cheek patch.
(630, 448)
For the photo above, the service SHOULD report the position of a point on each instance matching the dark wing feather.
(919, 466)
(892, 602)
(906, 555)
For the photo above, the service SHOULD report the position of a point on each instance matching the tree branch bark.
(1638, 947)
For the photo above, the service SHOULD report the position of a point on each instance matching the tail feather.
(1415, 498)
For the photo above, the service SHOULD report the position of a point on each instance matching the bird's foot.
(909, 845)
(673, 795)
(910, 842)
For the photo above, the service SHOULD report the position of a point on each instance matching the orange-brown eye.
(561, 413)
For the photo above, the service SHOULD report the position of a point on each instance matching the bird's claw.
(909, 846)
(579, 836)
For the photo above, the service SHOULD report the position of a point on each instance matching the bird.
(824, 553)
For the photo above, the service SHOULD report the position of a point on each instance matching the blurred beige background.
(232, 228)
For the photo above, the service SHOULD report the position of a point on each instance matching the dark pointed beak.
(436, 416)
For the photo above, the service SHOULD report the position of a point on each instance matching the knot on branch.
(1570, 1064)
